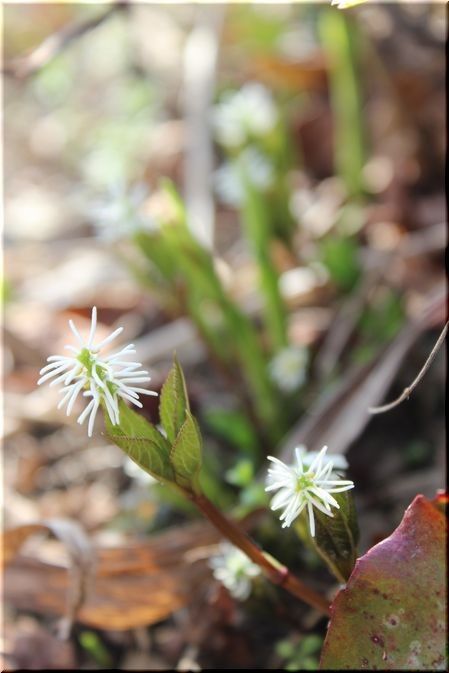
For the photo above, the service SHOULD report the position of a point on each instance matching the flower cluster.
(248, 112)
(104, 380)
(234, 570)
(306, 484)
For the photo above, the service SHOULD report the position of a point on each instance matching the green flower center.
(305, 481)
(88, 360)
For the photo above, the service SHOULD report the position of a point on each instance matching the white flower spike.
(251, 111)
(103, 379)
(307, 484)
(234, 570)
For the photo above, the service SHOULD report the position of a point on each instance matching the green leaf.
(173, 402)
(336, 537)
(392, 613)
(158, 253)
(142, 442)
(340, 256)
(176, 203)
(242, 474)
(234, 427)
(185, 455)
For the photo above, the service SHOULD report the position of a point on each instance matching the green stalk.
(252, 361)
(178, 256)
(258, 231)
(339, 39)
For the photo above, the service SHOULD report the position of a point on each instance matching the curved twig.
(408, 391)
(24, 67)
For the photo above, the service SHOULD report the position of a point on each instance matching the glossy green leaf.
(142, 442)
(336, 538)
(173, 402)
(392, 613)
(185, 454)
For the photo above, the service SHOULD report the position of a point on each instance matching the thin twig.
(52, 46)
(408, 391)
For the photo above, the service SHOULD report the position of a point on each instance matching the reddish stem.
(276, 572)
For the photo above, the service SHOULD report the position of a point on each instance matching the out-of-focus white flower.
(103, 379)
(119, 213)
(249, 112)
(339, 461)
(345, 4)
(251, 164)
(306, 484)
(234, 570)
(288, 368)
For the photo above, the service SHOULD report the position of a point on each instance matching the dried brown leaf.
(80, 552)
(133, 586)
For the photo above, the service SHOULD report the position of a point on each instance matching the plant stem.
(274, 571)
(255, 217)
(341, 45)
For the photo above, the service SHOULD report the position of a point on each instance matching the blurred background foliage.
(261, 189)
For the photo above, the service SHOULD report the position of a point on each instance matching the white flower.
(245, 113)
(339, 461)
(234, 570)
(288, 368)
(103, 379)
(308, 483)
(119, 214)
(345, 4)
(254, 166)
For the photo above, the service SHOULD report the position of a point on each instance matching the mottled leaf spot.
(392, 621)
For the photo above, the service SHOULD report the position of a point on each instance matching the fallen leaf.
(133, 585)
(80, 552)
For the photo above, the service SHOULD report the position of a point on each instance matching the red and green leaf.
(392, 613)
